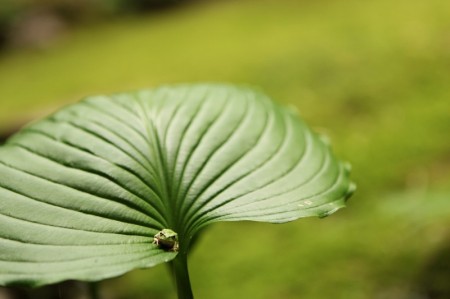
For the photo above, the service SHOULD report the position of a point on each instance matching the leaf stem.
(181, 274)
(93, 290)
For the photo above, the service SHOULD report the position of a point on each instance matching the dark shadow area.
(146, 5)
(64, 290)
(434, 280)
(6, 133)
(36, 24)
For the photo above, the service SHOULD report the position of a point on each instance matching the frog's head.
(168, 234)
(166, 239)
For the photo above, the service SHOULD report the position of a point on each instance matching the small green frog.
(167, 239)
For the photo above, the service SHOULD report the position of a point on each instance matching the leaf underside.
(83, 192)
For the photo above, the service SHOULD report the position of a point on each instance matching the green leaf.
(83, 192)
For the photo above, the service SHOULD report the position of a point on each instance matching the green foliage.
(83, 192)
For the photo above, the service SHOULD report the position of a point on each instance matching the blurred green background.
(372, 75)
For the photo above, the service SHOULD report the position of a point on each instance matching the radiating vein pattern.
(83, 191)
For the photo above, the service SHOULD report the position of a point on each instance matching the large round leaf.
(83, 192)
